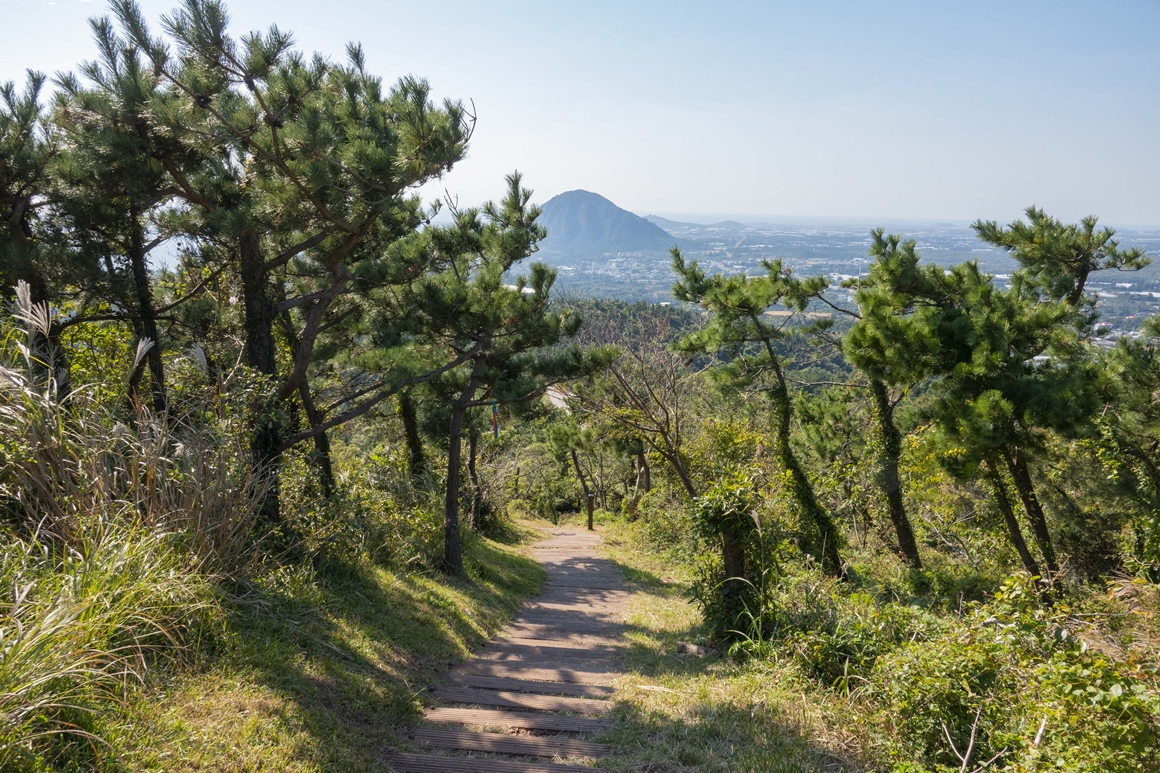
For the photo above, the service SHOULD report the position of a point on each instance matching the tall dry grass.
(113, 527)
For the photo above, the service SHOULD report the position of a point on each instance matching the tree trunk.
(416, 461)
(145, 310)
(473, 476)
(261, 355)
(643, 473)
(321, 441)
(579, 472)
(733, 552)
(1017, 464)
(314, 417)
(452, 548)
(801, 489)
(1013, 529)
(889, 481)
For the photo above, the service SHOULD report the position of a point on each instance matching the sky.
(843, 110)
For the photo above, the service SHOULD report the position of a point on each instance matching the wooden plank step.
(565, 650)
(426, 763)
(585, 585)
(501, 743)
(497, 718)
(575, 633)
(575, 606)
(573, 642)
(548, 617)
(569, 658)
(529, 685)
(519, 671)
(516, 700)
(568, 664)
(560, 596)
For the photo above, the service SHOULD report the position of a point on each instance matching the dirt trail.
(527, 702)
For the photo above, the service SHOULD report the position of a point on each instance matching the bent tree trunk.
(889, 481)
(801, 490)
(314, 417)
(1017, 464)
(322, 457)
(1013, 529)
(579, 472)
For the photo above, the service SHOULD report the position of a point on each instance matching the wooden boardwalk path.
(526, 703)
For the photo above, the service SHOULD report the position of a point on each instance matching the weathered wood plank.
(529, 686)
(578, 660)
(521, 671)
(500, 743)
(515, 700)
(572, 642)
(585, 584)
(497, 718)
(425, 763)
(569, 650)
(573, 622)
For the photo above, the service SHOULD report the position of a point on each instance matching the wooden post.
(591, 499)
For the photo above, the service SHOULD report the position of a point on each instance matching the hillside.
(585, 224)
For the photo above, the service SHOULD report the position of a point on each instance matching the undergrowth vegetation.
(146, 601)
(935, 679)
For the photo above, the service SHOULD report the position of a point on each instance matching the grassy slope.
(684, 713)
(321, 673)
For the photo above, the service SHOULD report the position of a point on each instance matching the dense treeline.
(238, 349)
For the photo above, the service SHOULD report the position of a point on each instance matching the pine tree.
(887, 344)
(327, 161)
(505, 341)
(111, 187)
(739, 330)
(27, 149)
(1059, 258)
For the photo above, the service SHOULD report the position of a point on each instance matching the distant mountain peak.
(585, 224)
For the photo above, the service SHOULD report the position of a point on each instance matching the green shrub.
(1011, 683)
(664, 525)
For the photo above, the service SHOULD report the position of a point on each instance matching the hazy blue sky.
(860, 109)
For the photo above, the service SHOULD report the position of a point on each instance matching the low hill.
(585, 224)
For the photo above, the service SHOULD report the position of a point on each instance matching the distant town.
(640, 269)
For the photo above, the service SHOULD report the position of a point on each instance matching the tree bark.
(321, 441)
(579, 472)
(314, 417)
(1013, 529)
(801, 489)
(452, 547)
(733, 552)
(416, 461)
(145, 310)
(261, 355)
(889, 480)
(473, 477)
(1017, 464)
(643, 473)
